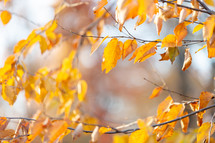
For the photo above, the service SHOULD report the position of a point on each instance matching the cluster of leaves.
(63, 87)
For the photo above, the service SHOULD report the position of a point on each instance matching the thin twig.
(165, 89)
(204, 6)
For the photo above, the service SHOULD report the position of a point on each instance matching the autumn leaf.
(156, 92)
(169, 41)
(180, 32)
(166, 12)
(6, 133)
(95, 135)
(43, 44)
(139, 136)
(100, 5)
(187, 60)
(204, 130)
(209, 2)
(55, 130)
(141, 19)
(183, 15)
(185, 122)
(208, 27)
(3, 123)
(96, 45)
(171, 53)
(103, 130)
(5, 17)
(194, 106)
(159, 23)
(82, 90)
(128, 47)
(19, 46)
(120, 139)
(211, 46)
(197, 28)
(164, 105)
(145, 51)
(112, 53)
(204, 46)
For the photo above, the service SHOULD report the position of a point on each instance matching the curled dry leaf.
(183, 15)
(159, 23)
(187, 60)
(166, 12)
(78, 131)
(95, 135)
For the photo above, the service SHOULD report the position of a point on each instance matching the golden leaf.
(112, 53)
(145, 51)
(164, 105)
(96, 45)
(5, 17)
(128, 47)
(187, 60)
(43, 44)
(185, 123)
(156, 92)
(139, 136)
(120, 139)
(169, 41)
(209, 27)
(180, 32)
(197, 28)
(209, 2)
(100, 5)
(204, 130)
(204, 46)
(103, 130)
(82, 90)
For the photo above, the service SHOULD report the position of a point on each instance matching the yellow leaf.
(43, 44)
(194, 106)
(120, 139)
(139, 136)
(112, 53)
(96, 45)
(211, 46)
(103, 130)
(140, 20)
(180, 32)
(82, 90)
(187, 60)
(128, 47)
(204, 130)
(5, 2)
(19, 46)
(156, 92)
(169, 41)
(5, 17)
(185, 123)
(145, 51)
(209, 2)
(198, 27)
(200, 48)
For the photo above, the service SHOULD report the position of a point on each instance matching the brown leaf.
(187, 60)
(183, 15)
(159, 23)
(6, 133)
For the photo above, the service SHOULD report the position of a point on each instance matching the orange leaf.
(96, 45)
(140, 20)
(164, 105)
(197, 28)
(103, 130)
(200, 48)
(204, 130)
(145, 51)
(209, 27)
(100, 5)
(56, 130)
(112, 53)
(128, 47)
(5, 17)
(187, 60)
(211, 46)
(19, 46)
(6, 133)
(36, 129)
(156, 92)
(171, 53)
(185, 123)
(180, 32)
(194, 106)
(3, 123)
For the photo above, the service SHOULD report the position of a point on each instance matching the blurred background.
(121, 96)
